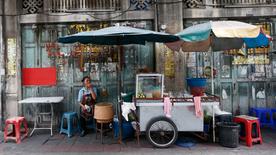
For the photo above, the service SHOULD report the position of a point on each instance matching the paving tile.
(61, 148)
(68, 141)
(61, 144)
(112, 147)
(87, 148)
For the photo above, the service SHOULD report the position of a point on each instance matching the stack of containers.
(197, 86)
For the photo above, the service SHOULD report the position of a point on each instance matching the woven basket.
(103, 111)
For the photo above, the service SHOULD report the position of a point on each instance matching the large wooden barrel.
(103, 112)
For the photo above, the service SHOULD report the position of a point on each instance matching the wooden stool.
(137, 132)
(16, 133)
(101, 129)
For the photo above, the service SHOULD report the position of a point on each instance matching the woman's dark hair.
(86, 77)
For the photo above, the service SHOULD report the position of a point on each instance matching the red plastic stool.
(16, 133)
(248, 122)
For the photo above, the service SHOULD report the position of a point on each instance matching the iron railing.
(59, 6)
(227, 3)
(81, 5)
(242, 3)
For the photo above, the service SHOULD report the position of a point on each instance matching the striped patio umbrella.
(220, 36)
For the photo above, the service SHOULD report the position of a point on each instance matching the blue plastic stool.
(261, 113)
(273, 110)
(70, 116)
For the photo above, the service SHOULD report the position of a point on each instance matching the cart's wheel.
(161, 132)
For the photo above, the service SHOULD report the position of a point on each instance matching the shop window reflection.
(225, 66)
(226, 96)
(242, 71)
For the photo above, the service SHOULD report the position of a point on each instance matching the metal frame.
(43, 100)
(180, 102)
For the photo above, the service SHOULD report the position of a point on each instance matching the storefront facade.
(74, 61)
(33, 44)
(242, 78)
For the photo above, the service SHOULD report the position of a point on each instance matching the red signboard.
(39, 76)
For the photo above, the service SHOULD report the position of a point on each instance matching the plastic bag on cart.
(135, 125)
(217, 110)
(132, 116)
(126, 109)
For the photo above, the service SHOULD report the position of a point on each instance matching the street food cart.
(162, 131)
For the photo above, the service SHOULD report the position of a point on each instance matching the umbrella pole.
(212, 85)
(119, 92)
(212, 76)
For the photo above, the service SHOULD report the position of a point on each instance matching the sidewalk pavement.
(42, 143)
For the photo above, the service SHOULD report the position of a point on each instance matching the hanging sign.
(169, 63)
(39, 76)
(11, 63)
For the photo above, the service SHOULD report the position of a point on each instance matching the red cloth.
(167, 107)
(198, 109)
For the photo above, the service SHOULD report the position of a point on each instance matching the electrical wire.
(180, 1)
(120, 14)
(96, 11)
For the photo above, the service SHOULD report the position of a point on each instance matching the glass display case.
(149, 85)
